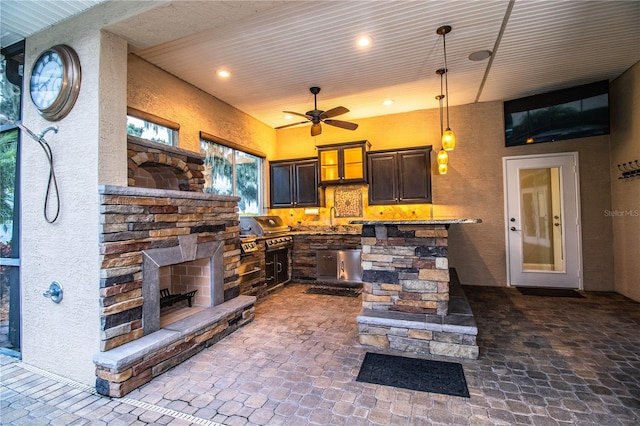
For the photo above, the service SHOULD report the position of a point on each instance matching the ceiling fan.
(317, 116)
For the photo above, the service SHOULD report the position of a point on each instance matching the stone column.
(409, 302)
(405, 268)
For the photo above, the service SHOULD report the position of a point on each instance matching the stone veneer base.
(452, 335)
(122, 369)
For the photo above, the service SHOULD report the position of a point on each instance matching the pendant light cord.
(439, 98)
(446, 76)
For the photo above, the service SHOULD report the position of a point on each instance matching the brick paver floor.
(543, 361)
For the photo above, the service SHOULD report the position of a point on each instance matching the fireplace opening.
(175, 277)
(185, 289)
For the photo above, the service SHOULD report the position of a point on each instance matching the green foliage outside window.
(151, 131)
(8, 146)
(233, 172)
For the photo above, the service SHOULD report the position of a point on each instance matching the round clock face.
(46, 79)
(55, 82)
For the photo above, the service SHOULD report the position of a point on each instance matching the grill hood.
(262, 226)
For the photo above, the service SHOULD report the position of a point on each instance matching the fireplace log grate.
(168, 299)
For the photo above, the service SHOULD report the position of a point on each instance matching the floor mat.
(549, 292)
(412, 373)
(335, 291)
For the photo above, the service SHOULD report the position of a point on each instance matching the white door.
(543, 221)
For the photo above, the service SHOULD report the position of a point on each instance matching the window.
(230, 171)
(147, 126)
(11, 71)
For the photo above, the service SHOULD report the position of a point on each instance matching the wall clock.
(55, 82)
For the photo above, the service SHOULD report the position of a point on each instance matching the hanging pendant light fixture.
(448, 137)
(442, 157)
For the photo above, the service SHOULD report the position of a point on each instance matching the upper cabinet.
(343, 163)
(400, 176)
(294, 183)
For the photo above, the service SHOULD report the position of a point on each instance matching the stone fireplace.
(155, 236)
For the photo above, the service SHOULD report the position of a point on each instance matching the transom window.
(231, 171)
(152, 128)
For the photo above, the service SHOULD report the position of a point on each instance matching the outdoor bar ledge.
(411, 300)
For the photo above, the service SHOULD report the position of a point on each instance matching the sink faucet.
(332, 209)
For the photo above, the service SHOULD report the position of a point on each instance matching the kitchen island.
(411, 301)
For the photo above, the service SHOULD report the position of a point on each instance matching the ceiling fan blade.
(292, 124)
(333, 112)
(316, 129)
(296, 113)
(342, 124)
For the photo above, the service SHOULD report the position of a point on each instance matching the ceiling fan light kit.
(317, 116)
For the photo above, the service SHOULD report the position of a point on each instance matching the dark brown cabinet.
(400, 176)
(343, 163)
(277, 267)
(294, 183)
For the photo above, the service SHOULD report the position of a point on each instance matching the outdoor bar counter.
(411, 300)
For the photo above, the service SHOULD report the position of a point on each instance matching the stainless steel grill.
(270, 229)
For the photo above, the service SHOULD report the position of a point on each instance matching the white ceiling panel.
(276, 50)
(22, 18)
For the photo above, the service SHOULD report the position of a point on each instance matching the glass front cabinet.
(343, 163)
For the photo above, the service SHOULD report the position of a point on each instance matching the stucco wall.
(625, 193)
(157, 92)
(473, 187)
(62, 338)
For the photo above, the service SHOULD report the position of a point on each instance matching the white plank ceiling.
(276, 50)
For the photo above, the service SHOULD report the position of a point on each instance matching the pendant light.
(443, 157)
(448, 137)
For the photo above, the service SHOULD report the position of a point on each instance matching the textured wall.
(157, 92)
(625, 193)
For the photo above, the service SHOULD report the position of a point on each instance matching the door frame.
(579, 260)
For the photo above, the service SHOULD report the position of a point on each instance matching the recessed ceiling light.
(480, 55)
(223, 73)
(288, 116)
(364, 41)
(388, 102)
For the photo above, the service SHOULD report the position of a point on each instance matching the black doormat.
(412, 373)
(334, 291)
(549, 292)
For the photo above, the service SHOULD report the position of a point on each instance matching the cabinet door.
(306, 184)
(326, 264)
(281, 260)
(350, 265)
(282, 185)
(383, 178)
(270, 267)
(414, 171)
(329, 165)
(344, 163)
(353, 163)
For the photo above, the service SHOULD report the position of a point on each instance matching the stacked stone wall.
(405, 269)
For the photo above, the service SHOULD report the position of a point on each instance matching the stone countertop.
(325, 230)
(442, 221)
